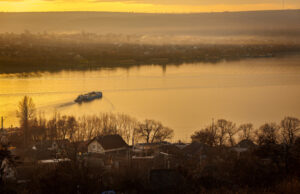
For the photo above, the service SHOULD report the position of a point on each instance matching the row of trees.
(223, 132)
(36, 127)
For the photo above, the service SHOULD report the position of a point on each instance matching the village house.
(52, 145)
(149, 147)
(108, 144)
(42, 150)
(196, 149)
(109, 151)
(48, 149)
(155, 155)
(198, 153)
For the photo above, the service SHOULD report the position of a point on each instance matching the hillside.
(264, 23)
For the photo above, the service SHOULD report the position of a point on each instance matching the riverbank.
(33, 53)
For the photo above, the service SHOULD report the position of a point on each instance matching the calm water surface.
(185, 97)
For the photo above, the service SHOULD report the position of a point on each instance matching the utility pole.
(2, 120)
(283, 4)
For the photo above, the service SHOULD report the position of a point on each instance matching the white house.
(108, 143)
(95, 147)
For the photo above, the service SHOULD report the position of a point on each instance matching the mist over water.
(185, 97)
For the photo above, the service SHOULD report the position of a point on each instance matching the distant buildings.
(110, 152)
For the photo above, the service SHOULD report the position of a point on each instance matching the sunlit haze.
(153, 6)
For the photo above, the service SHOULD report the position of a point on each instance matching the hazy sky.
(170, 6)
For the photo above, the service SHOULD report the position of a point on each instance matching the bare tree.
(267, 133)
(62, 126)
(231, 130)
(37, 132)
(144, 130)
(206, 136)
(126, 126)
(217, 133)
(52, 132)
(162, 134)
(88, 126)
(247, 131)
(221, 131)
(153, 131)
(108, 123)
(66, 126)
(290, 127)
(72, 127)
(26, 114)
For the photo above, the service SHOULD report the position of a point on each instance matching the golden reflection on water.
(184, 97)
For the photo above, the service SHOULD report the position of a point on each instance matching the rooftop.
(110, 141)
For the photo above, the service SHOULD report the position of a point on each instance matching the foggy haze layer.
(256, 23)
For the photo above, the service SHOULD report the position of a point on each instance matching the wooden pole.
(2, 123)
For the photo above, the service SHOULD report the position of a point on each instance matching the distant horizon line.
(167, 13)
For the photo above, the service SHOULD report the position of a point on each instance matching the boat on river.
(88, 97)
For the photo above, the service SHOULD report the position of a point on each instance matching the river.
(185, 98)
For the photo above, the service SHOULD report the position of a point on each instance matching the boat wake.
(65, 105)
(109, 102)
